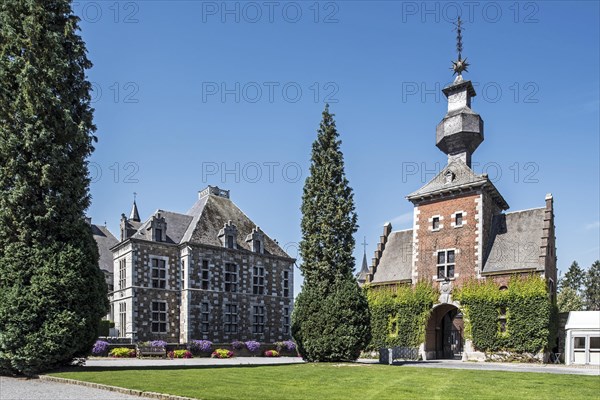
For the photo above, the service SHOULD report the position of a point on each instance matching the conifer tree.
(331, 316)
(52, 293)
(592, 287)
(574, 278)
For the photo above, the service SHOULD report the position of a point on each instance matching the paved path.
(494, 366)
(36, 389)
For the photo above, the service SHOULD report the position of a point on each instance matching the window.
(286, 320)
(502, 319)
(458, 220)
(436, 223)
(594, 343)
(204, 275)
(204, 317)
(159, 317)
(258, 280)
(230, 241)
(159, 274)
(182, 274)
(258, 319)
(286, 284)
(579, 343)
(122, 273)
(231, 318)
(158, 235)
(445, 264)
(231, 278)
(122, 319)
(257, 246)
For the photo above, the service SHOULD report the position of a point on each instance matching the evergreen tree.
(592, 287)
(331, 315)
(52, 293)
(568, 300)
(574, 278)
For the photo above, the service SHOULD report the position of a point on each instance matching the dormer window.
(228, 235)
(256, 239)
(158, 228)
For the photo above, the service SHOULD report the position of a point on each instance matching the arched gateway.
(444, 332)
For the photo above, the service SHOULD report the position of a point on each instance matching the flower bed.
(222, 353)
(122, 352)
(100, 348)
(179, 354)
(271, 353)
(200, 347)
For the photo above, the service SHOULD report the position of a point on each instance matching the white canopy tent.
(582, 342)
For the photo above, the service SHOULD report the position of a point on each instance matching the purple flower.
(100, 347)
(252, 345)
(158, 343)
(203, 346)
(289, 345)
(237, 345)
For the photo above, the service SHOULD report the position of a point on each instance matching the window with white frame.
(204, 317)
(435, 223)
(231, 318)
(159, 273)
(258, 280)
(122, 319)
(286, 320)
(286, 284)
(122, 273)
(204, 275)
(231, 277)
(445, 264)
(458, 219)
(159, 317)
(258, 319)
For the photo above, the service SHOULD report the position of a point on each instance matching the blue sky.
(191, 93)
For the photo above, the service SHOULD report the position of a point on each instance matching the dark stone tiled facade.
(177, 288)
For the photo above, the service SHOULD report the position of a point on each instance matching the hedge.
(529, 313)
(399, 315)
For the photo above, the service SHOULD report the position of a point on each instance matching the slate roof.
(105, 241)
(202, 223)
(463, 178)
(516, 241)
(396, 261)
(361, 276)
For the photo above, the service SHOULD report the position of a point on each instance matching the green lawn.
(341, 381)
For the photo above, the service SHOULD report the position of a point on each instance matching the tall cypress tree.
(52, 293)
(331, 315)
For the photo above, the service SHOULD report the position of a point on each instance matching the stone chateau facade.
(461, 231)
(208, 274)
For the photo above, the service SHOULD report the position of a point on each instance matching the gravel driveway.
(36, 389)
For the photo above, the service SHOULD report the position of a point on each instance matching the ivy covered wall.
(518, 319)
(399, 314)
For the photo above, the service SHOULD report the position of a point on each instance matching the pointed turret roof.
(134, 215)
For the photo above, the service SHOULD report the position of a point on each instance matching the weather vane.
(134, 196)
(459, 65)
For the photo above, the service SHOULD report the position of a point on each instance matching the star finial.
(459, 65)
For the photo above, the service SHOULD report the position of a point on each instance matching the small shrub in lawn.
(100, 348)
(237, 345)
(200, 346)
(271, 353)
(252, 346)
(180, 354)
(122, 352)
(222, 353)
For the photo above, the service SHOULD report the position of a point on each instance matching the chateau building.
(462, 230)
(105, 240)
(208, 274)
